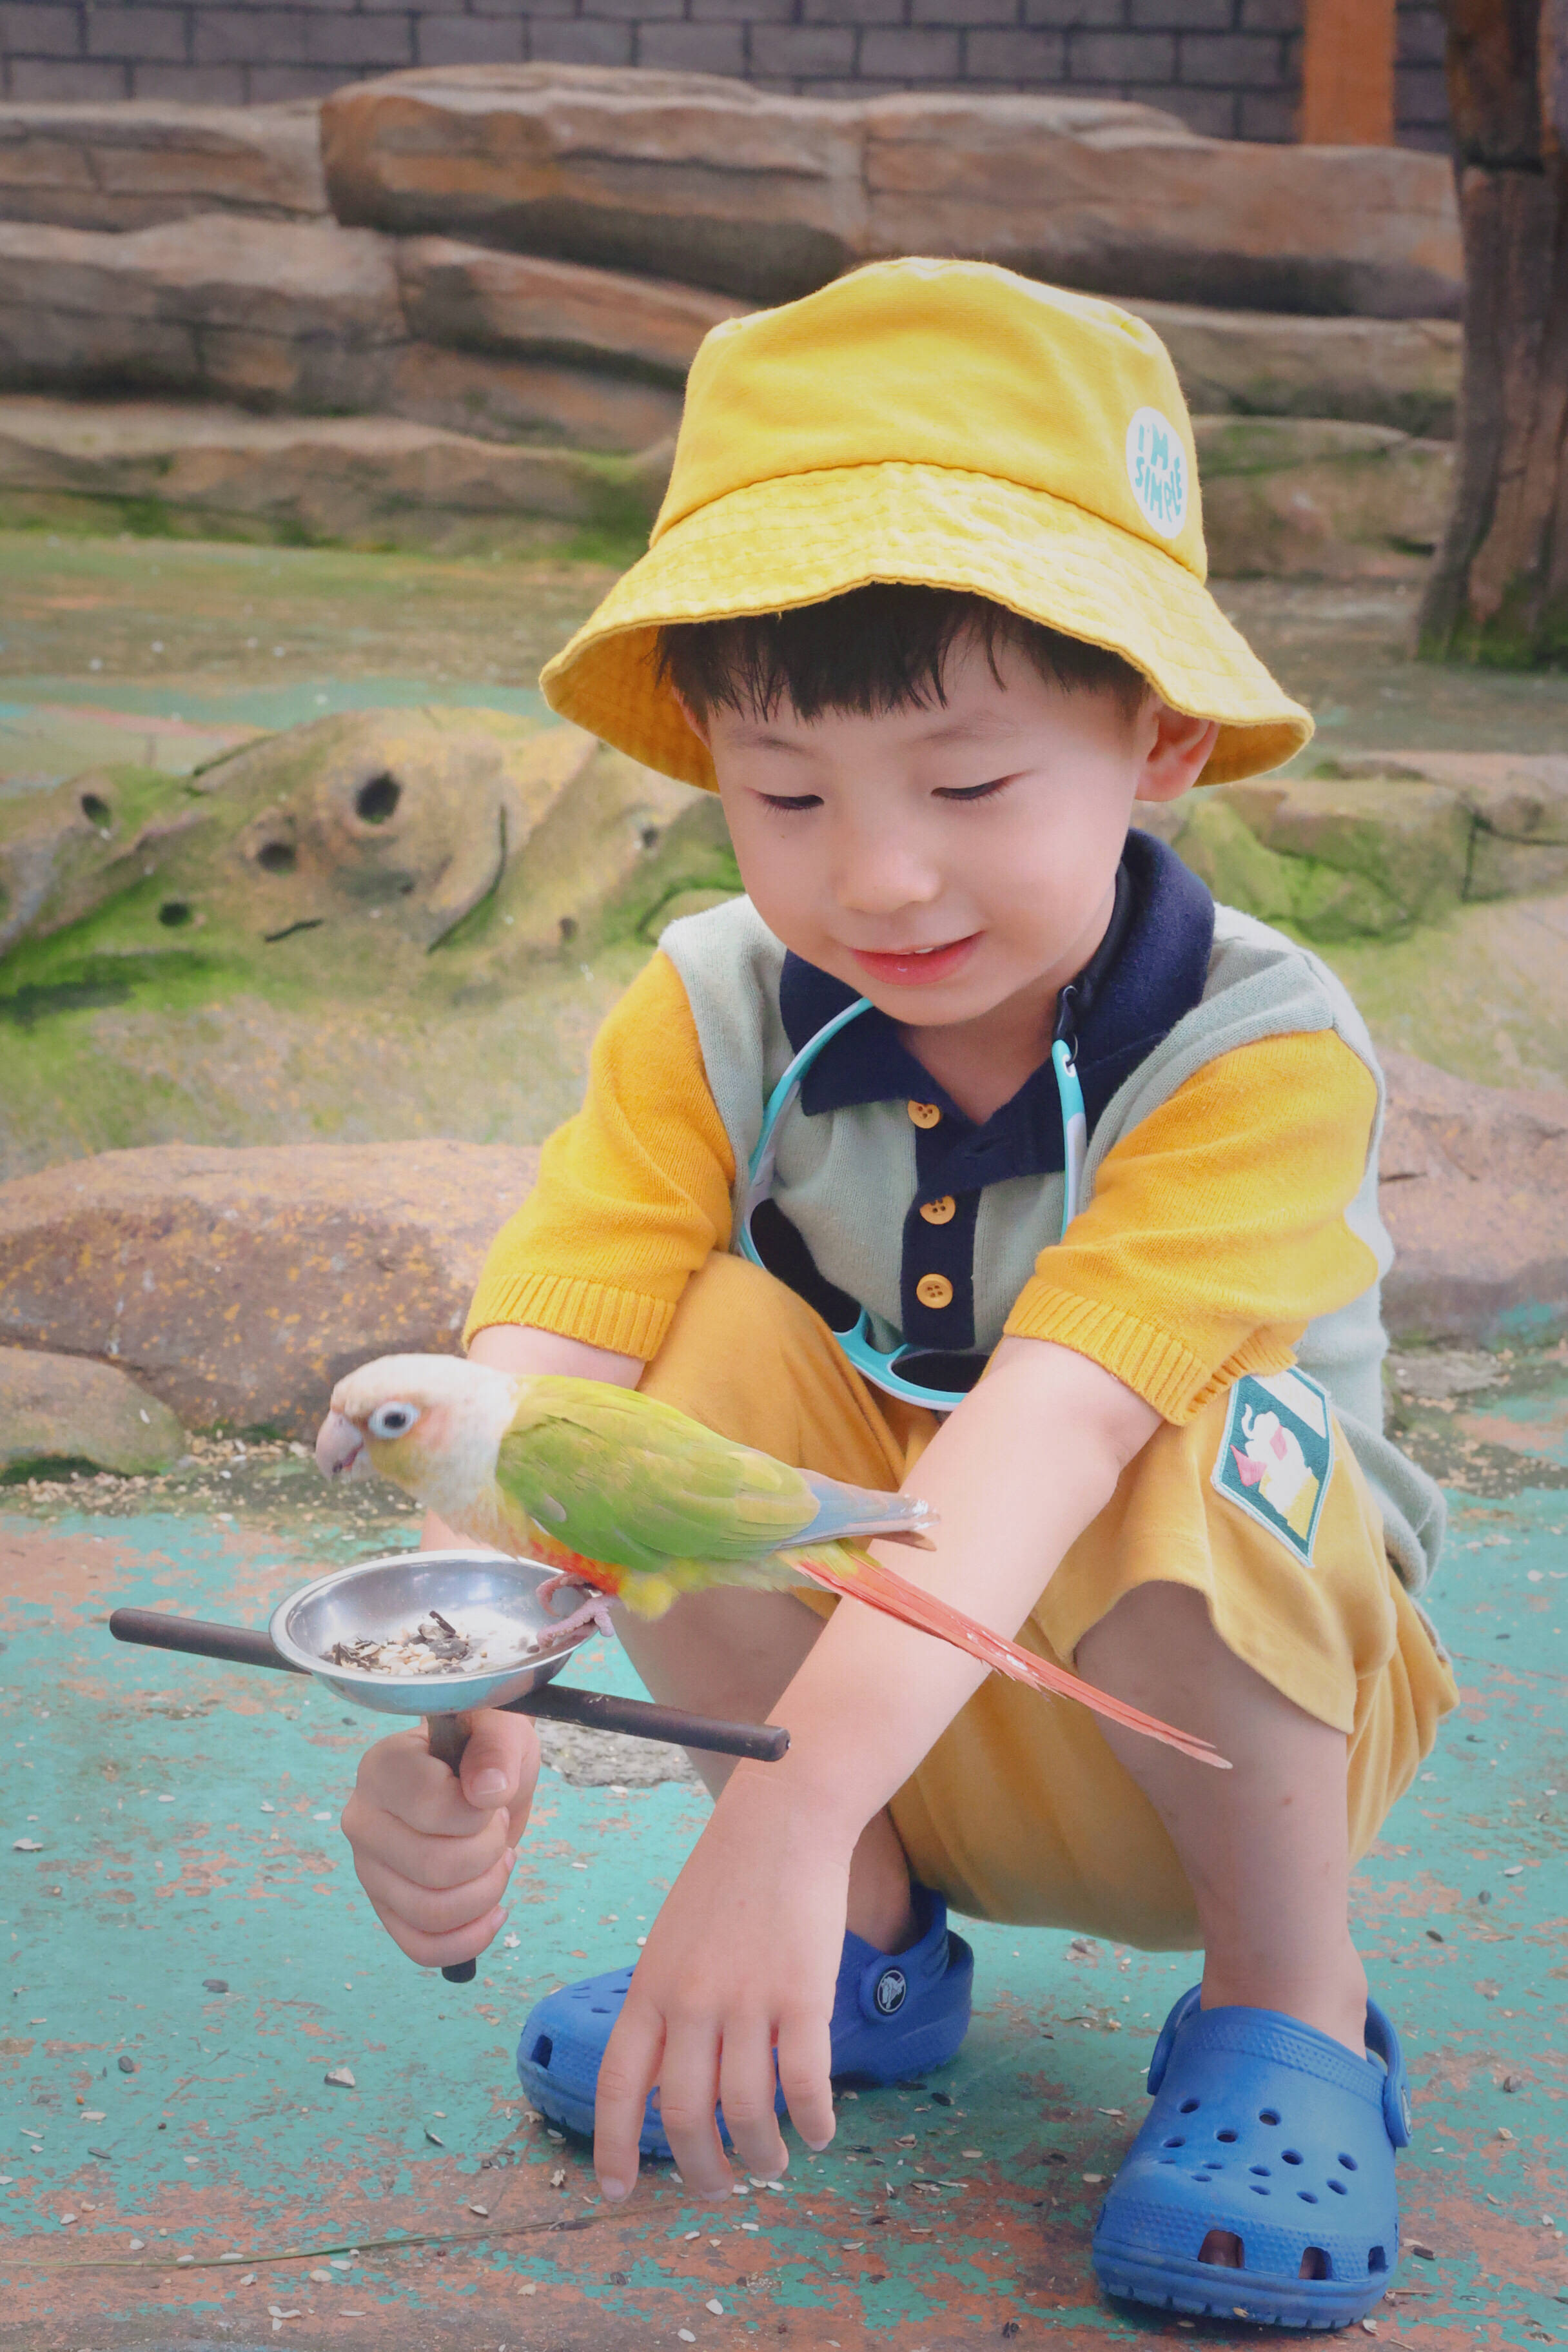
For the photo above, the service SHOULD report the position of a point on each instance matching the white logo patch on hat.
(1157, 469)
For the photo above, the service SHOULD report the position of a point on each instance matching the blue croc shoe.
(894, 2015)
(1267, 2129)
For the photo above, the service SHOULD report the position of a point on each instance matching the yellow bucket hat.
(943, 424)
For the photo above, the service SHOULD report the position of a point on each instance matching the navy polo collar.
(1156, 977)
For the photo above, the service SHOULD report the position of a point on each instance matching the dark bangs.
(877, 649)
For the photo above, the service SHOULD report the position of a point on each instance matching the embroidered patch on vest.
(1277, 1455)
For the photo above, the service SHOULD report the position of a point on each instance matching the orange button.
(940, 1213)
(924, 1114)
(935, 1290)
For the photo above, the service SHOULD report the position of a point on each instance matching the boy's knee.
(725, 1326)
(747, 1357)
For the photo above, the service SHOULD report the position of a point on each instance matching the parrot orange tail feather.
(865, 1579)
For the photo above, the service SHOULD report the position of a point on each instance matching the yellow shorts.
(1020, 1811)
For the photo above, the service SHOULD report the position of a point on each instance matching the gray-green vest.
(838, 1173)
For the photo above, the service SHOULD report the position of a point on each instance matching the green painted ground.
(185, 1821)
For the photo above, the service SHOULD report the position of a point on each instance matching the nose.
(339, 1446)
(881, 872)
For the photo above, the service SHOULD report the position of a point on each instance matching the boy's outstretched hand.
(742, 1961)
(433, 1854)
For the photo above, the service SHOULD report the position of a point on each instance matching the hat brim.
(798, 538)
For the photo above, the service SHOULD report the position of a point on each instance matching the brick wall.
(1420, 93)
(1228, 66)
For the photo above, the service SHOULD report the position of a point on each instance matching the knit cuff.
(624, 1322)
(1162, 1370)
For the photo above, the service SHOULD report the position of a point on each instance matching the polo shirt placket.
(1157, 976)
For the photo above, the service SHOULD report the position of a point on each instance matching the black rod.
(763, 1743)
(199, 1637)
(244, 1645)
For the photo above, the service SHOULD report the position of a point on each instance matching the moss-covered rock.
(59, 1410)
(411, 822)
(405, 922)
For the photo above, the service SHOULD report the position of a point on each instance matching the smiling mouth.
(915, 964)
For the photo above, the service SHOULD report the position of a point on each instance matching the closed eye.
(973, 791)
(788, 803)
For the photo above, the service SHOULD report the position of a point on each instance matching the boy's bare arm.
(1017, 1473)
(1015, 1476)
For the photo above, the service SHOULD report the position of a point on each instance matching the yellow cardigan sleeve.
(1216, 1230)
(633, 1194)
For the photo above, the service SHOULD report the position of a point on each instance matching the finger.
(746, 2082)
(500, 1764)
(437, 1861)
(443, 1951)
(806, 2067)
(431, 1911)
(688, 2094)
(627, 2073)
(399, 1776)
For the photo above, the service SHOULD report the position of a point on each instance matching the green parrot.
(638, 1503)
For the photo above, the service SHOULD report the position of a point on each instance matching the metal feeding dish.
(454, 1631)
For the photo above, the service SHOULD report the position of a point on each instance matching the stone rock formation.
(530, 257)
(130, 164)
(382, 481)
(1281, 495)
(1295, 495)
(1517, 801)
(407, 820)
(1126, 201)
(1475, 1194)
(1399, 371)
(683, 176)
(1368, 847)
(722, 184)
(56, 1409)
(526, 307)
(278, 314)
(544, 403)
(237, 1286)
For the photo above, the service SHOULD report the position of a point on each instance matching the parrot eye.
(392, 1420)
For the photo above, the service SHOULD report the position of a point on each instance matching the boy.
(925, 604)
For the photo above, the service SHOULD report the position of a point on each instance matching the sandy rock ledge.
(55, 1409)
(234, 1286)
(239, 1286)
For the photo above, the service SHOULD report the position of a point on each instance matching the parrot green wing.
(624, 1479)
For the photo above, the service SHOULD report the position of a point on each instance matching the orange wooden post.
(1347, 73)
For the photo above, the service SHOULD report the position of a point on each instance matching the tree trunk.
(1498, 591)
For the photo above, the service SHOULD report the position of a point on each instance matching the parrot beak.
(340, 1448)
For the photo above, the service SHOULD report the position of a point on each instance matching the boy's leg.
(1265, 1847)
(1292, 1647)
(1303, 1660)
(747, 1358)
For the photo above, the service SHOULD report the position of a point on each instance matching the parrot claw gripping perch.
(636, 1502)
(594, 1610)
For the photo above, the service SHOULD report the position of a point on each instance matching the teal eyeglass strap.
(876, 1364)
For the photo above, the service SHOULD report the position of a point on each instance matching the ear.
(698, 725)
(1176, 748)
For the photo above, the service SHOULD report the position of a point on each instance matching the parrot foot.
(594, 1610)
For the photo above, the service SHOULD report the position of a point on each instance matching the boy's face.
(949, 860)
